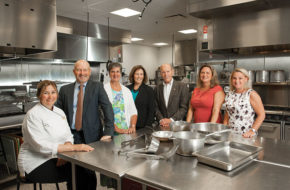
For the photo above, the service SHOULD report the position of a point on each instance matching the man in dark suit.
(90, 129)
(171, 98)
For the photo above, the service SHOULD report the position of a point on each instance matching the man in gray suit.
(93, 95)
(171, 98)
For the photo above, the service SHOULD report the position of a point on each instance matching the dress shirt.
(76, 92)
(43, 130)
(166, 91)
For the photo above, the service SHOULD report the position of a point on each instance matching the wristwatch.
(255, 131)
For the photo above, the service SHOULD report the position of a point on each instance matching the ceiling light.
(189, 31)
(125, 12)
(160, 44)
(136, 39)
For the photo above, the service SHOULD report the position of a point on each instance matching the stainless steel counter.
(105, 158)
(185, 172)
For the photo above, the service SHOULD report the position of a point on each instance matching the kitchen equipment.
(131, 142)
(162, 135)
(164, 156)
(277, 76)
(225, 75)
(179, 126)
(252, 75)
(227, 155)
(262, 76)
(208, 128)
(152, 148)
(190, 142)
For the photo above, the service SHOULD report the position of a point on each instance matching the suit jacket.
(95, 96)
(145, 105)
(177, 103)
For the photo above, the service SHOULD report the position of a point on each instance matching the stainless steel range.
(276, 124)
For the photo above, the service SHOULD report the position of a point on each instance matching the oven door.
(270, 130)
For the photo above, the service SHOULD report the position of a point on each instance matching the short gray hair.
(114, 65)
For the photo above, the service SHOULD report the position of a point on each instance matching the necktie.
(79, 113)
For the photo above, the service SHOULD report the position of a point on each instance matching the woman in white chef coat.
(45, 133)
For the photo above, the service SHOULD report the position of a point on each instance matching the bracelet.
(254, 130)
(133, 126)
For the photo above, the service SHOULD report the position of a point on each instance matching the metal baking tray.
(227, 155)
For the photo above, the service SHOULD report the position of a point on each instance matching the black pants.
(86, 179)
(48, 172)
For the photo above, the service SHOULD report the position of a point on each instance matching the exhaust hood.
(27, 27)
(207, 9)
(77, 39)
(260, 32)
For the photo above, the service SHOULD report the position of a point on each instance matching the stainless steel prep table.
(184, 172)
(104, 158)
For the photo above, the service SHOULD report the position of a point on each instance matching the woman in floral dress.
(125, 112)
(242, 103)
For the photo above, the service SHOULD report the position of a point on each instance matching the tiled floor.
(62, 186)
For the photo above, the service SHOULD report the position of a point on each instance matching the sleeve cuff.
(54, 150)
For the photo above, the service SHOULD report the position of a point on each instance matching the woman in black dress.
(143, 96)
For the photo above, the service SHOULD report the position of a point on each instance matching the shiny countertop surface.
(186, 173)
(181, 172)
(105, 158)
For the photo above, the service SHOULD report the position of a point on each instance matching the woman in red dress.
(207, 98)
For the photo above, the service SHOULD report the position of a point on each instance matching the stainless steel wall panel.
(27, 25)
(276, 95)
(71, 47)
(185, 52)
(17, 72)
(97, 51)
(259, 30)
(100, 32)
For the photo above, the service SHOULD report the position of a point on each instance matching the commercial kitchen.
(42, 39)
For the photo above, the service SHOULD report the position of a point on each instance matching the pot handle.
(218, 132)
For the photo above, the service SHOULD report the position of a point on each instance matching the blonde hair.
(214, 80)
(246, 74)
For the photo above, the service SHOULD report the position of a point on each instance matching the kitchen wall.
(148, 57)
(17, 72)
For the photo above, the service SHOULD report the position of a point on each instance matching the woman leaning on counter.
(143, 96)
(242, 103)
(45, 133)
(125, 113)
(207, 97)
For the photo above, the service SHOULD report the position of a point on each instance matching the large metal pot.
(262, 76)
(188, 142)
(252, 75)
(208, 128)
(277, 76)
(176, 126)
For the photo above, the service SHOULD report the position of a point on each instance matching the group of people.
(242, 103)
(71, 119)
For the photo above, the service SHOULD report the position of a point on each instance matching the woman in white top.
(45, 133)
(125, 112)
(242, 103)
